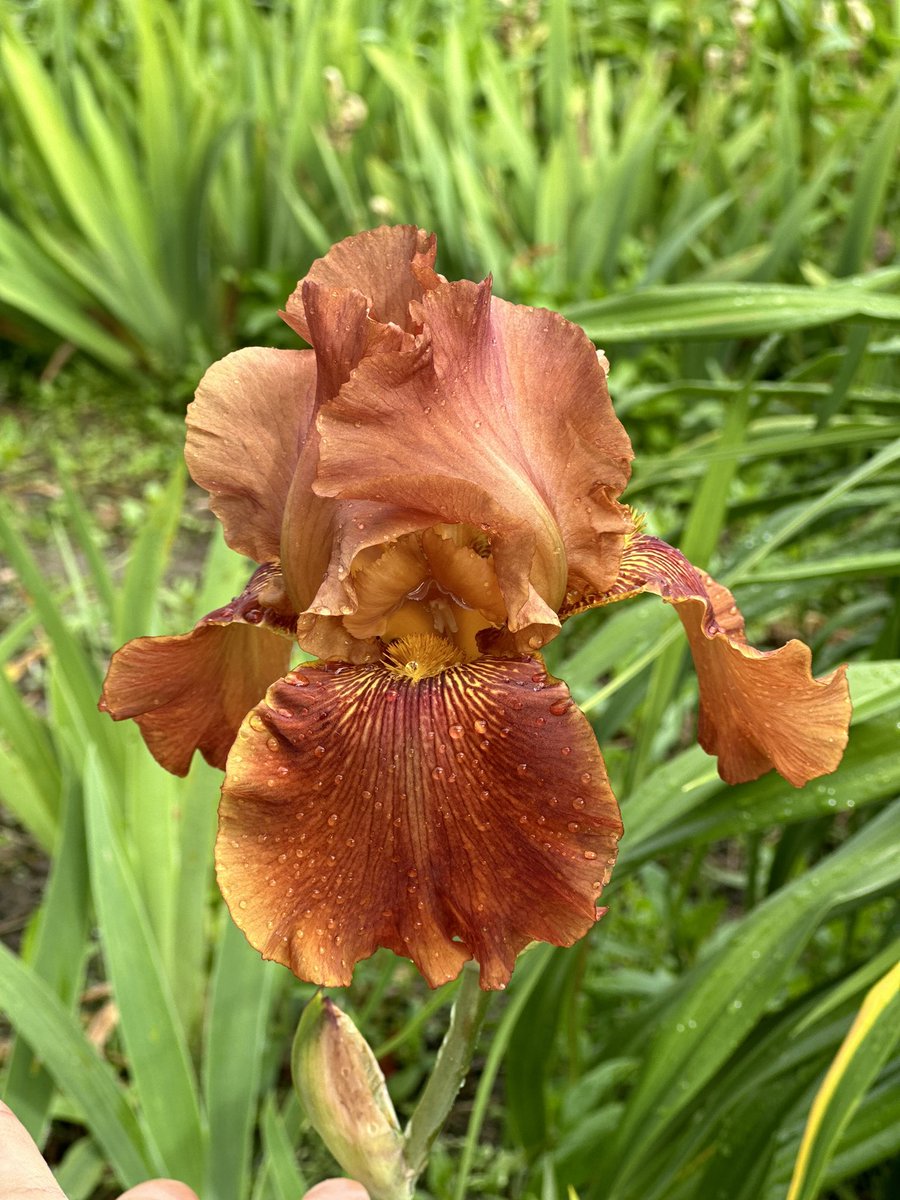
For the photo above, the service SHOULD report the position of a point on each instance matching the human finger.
(23, 1173)
(160, 1189)
(337, 1189)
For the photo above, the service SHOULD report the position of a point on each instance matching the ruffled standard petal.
(514, 434)
(758, 709)
(246, 429)
(457, 816)
(389, 267)
(353, 303)
(192, 691)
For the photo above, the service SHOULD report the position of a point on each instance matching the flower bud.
(343, 1092)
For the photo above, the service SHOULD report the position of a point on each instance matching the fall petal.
(192, 691)
(758, 709)
(514, 434)
(245, 431)
(452, 817)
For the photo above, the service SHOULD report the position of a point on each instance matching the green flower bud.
(342, 1089)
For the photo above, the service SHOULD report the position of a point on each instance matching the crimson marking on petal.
(361, 810)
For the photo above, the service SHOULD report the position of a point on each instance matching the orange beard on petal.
(446, 810)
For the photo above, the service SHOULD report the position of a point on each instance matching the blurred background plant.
(710, 189)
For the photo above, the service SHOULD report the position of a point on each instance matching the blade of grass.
(242, 990)
(867, 1046)
(39, 1016)
(152, 1034)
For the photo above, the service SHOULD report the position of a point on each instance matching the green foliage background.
(710, 190)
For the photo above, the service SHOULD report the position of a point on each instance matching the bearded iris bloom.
(429, 493)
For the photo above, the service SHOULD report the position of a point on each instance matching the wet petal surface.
(458, 816)
(758, 709)
(192, 691)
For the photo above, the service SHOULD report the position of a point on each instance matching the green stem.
(450, 1070)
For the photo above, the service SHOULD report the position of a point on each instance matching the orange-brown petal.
(460, 570)
(382, 585)
(389, 266)
(192, 691)
(454, 817)
(499, 418)
(758, 709)
(245, 431)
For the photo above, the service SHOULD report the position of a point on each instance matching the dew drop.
(589, 855)
(586, 777)
(456, 731)
(566, 751)
(578, 802)
(319, 751)
(333, 820)
(521, 768)
(437, 773)
(558, 707)
(480, 726)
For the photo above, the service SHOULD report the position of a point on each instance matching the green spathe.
(343, 1092)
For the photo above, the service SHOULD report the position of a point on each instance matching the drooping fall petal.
(456, 816)
(245, 432)
(192, 691)
(758, 709)
(514, 435)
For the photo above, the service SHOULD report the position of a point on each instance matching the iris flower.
(429, 493)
